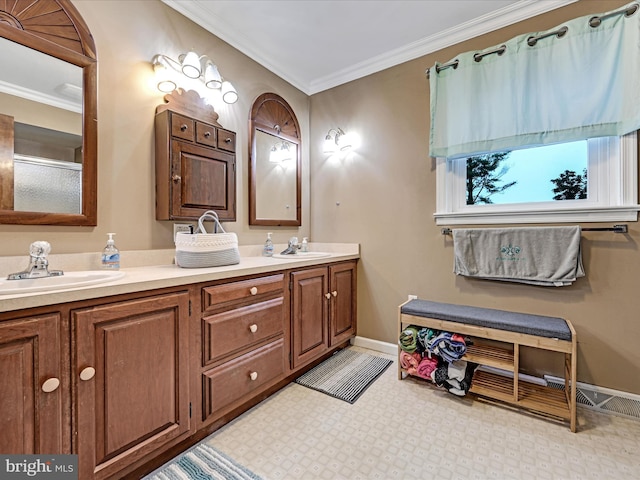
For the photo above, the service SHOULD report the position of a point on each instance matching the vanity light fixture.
(169, 74)
(336, 140)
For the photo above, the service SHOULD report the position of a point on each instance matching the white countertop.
(148, 277)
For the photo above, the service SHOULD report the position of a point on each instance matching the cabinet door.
(202, 179)
(342, 286)
(31, 397)
(131, 381)
(309, 315)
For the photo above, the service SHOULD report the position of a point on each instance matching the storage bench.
(506, 331)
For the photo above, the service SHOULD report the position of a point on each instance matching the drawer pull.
(227, 140)
(207, 134)
(327, 295)
(176, 178)
(87, 373)
(334, 293)
(253, 376)
(183, 127)
(253, 290)
(50, 385)
(253, 328)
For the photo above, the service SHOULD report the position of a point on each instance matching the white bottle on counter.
(110, 255)
(305, 245)
(267, 250)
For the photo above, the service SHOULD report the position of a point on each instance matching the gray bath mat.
(345, 375)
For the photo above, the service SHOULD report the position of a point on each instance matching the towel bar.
(616, 229)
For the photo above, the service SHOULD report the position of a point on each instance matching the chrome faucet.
(38, 263)
(293, 247)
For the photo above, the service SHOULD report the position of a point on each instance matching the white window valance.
(577, 81)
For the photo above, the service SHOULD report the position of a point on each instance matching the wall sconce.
(280, 152)
(336, 140)
(191, 65)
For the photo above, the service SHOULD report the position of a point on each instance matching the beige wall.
(127, 36)
(383, 197)
(387, 198)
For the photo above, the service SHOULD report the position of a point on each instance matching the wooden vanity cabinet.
(323, 310)
(243, 349)
(122, 381)
(195, 161)
(34, 386)
(131, 381)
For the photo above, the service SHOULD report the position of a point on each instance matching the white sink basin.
(302, 255)
(68, 280)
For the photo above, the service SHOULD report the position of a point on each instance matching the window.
(595, 181)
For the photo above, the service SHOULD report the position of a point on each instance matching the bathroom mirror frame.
(271, 114)
(56, 28)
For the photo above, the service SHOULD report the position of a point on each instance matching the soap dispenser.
(110, 255)
(305, 245)
(267, 251)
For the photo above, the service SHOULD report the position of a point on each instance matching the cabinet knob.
(50, 385)
(176, 178)
(227, 140)
(183, 127)
(87, 373)
(253, 376)
(334, 293)
(327, 295)
(253, 328)
(253, 290)
(207, 134)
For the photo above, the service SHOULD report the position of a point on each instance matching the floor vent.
(602, 399)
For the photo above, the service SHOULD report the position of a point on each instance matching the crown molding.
(196, 10)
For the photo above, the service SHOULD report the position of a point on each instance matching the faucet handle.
(39, 249)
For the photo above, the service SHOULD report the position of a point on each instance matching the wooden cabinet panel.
(323, 310)
(240, 328)
(138, 398)
(217, 295)
(205, 134)
(309, 315)
(343, 313)
(182, 127)
(233, 382)
(226, 140)
(31, 420)
(195, 168)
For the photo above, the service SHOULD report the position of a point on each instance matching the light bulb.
(191, 65)
(229, 94)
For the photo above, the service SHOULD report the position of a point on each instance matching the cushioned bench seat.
(496, 340)
(550, 327)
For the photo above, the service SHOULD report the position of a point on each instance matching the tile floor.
(410, 430)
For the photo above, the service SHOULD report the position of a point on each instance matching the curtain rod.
(616, 229)
(531, 41)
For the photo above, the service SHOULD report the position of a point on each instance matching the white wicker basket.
(202, 249)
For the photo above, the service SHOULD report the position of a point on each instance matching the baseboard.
(376, 345)
(602, 399)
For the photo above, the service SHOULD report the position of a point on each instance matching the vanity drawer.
(236, 329)
(245, 289)
(205, 134)
(236, 380)
(182, 127)
(226, 140)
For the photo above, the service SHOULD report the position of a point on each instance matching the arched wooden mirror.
(275, 163)
(48, 115)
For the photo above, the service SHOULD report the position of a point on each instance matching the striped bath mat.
(202, 463)
(345, 375)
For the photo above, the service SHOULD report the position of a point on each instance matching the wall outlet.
(412, 297)
(181, 227)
